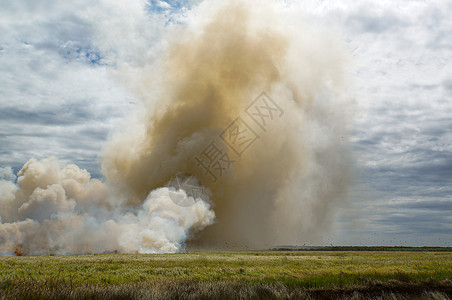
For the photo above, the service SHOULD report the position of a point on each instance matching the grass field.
(253, 274)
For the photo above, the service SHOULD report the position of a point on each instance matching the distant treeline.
(362, 248)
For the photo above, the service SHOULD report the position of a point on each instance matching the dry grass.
(236, 275)
(170, 289)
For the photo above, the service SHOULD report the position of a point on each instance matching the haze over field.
(151, 95)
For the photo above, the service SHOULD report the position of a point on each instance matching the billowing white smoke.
(62, 210)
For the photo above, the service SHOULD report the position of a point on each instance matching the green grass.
(289, 270)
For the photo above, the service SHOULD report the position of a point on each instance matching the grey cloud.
(365, 20)
(96, 133)
(64, 114)
(442, 40)
(447, 84)
(436, 20)
(413, 180)
(62, 117)
(424, 86)
(7, 174)
(426, 205)
(418, 223)
(80, 143)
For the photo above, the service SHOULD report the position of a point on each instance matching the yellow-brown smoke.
(240, 141)
(287, 182)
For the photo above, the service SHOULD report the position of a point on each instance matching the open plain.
(240, 274)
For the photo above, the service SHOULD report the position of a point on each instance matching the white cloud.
(60, 64)
(163, 4)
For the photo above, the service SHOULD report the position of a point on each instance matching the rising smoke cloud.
(54, 210)
(282, 188)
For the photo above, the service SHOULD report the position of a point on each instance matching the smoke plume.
(245, 117)
(62, 210)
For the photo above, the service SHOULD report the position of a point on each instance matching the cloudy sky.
(62, 95)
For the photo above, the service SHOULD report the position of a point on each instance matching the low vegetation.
(218, 275)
